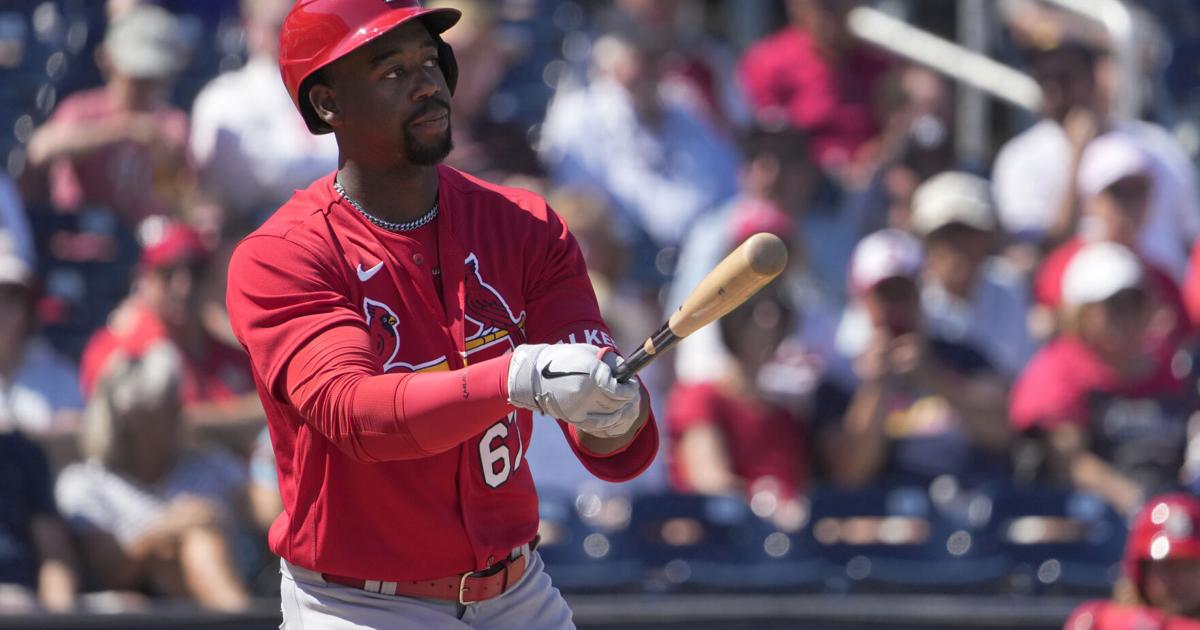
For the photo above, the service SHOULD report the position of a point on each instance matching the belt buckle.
(462, 586)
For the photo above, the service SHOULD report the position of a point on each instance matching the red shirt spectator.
(127, 176)
(825, 84)
(164, 306)
(122, 146)
(765, 442)
(1116, 406)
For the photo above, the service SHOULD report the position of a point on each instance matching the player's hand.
(574, 383)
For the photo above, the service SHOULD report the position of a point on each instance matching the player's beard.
(428, 153)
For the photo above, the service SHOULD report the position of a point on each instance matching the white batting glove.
(574, 383)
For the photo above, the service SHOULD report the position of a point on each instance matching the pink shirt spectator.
(124, 176)
(833, 102)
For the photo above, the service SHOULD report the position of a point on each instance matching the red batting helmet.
(1167, 527)
(318, 32)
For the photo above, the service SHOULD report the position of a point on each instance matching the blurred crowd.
(1029, 318)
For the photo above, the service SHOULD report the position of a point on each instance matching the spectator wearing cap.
(925, 407)
(1116, 184)
(251, 146)
(748, 433)
(1035, 173)
(822, 79)
(122, 146)
(1113, 409)
(148, 511)
(967, 294)
(39, 390)
(167, 303)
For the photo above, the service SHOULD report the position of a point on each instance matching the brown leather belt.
(467, 588)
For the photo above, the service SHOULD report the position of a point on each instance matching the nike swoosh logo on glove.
(366, 274)
(550, 374)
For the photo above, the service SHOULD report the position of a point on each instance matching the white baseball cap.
(888, 253)
(953, 197)
(1109, 159)
(1099, 271)
(145, 43)
(13, 268)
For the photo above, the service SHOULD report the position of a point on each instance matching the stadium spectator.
(1162, 567)
(147, 510)
(820, 77)
(695, 66)
(36, 559)
(925, 407)
(777, 182)
(749, 432)
(1116, 183)
(122, 146)
(968, 295)
(249, 143)
(168, 303)
(1035, 173)
(1112, 406)
(39, 391)
(484, 142)
(670, 167)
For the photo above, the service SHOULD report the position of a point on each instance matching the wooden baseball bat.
(744, 271)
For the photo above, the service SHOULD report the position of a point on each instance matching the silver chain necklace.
(387, 225)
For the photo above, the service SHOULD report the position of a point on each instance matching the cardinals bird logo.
(488, 310)
(383, 327)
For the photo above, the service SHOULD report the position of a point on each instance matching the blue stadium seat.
(583, 556)
(895, 539)
(718, 543)
(1061, 540)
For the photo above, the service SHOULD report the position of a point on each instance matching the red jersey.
(509, 273)
(764, 440)
(221, 373)
(1102, 615)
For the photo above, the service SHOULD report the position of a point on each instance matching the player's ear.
(323, 100)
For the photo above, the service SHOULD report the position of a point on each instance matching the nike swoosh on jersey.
(364, 275)
(550, 374)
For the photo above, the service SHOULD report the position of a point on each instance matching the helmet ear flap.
(448, 63)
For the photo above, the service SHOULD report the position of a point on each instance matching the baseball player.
(403, 320)
(1162, 564)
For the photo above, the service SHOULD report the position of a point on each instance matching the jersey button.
(418, 259)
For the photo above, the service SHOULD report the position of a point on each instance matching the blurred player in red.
(1162, 564)
(403, 319)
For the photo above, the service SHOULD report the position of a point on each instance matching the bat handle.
(632, 365)
(655, 345)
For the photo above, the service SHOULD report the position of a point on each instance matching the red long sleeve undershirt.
(334, 382)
